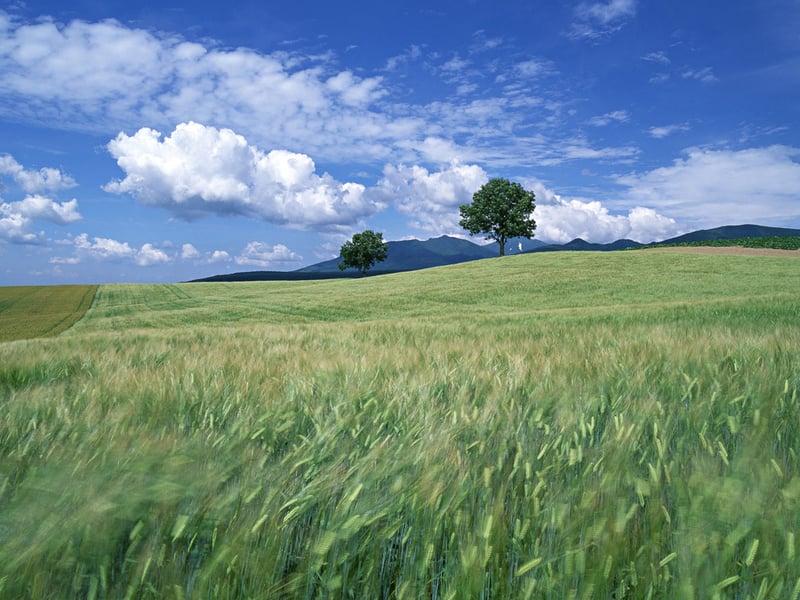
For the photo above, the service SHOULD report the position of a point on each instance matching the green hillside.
(598, 425)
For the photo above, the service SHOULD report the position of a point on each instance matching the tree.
(501, 210)
(363, 251)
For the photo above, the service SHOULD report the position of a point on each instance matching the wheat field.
(572, 425)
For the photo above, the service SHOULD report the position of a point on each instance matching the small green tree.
(500, 210)
(363, 251)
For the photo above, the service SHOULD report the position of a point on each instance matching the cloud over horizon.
(755, 185)
(561, 220)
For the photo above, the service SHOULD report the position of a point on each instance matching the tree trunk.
(502, 247)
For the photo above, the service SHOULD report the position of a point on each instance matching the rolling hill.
(731, 232)
(411, 255)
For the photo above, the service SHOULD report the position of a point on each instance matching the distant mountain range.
(410, 255)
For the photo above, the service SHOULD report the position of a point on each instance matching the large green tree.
(500, 210)
(363, 251)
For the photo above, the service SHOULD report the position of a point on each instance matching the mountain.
(583, 246)
(410, 255)
(404, 255)
(732, 232)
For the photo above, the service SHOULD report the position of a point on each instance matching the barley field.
(567, 425)
(29, 311)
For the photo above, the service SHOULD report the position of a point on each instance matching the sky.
(163, 142)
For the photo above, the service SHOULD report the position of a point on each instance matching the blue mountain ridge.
(410, 255)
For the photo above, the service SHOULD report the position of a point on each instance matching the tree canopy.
(363, 251)
(500, 210)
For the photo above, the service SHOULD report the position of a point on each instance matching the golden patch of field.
(41, 311)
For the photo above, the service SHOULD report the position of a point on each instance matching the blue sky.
(164, 142)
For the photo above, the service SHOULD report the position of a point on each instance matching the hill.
(731, 232)
(403, 255)
(411, 255)
(580, 245)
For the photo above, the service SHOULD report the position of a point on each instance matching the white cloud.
(39, 207)
(199, 170)
(597, 19)
(263, 255)
(102, 248)
(15, 228)
(17, 218)
(188, 252)
(455, 65)
(723, 187)
(705, 75)
(108, 77)
(104, 76)
(355, 91)
(430, 198)
(659, 78)
(107, 249)
(33, 182)
(617, 116)
(666, 130)
(219, 256)
(657, 57)
(579, 148)
(562, 220)
(149, 255)
(413, 53)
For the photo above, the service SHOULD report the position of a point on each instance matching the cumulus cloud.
(430, 198)
(39, 207)
(108, 249)
(199, 170)
(219, 256)
(102, 248)
(723, 187)
(264, 255)
(188, 252)
(597, 19)
(150, 255)
(15, 228)
(17, 218)
(560, 220)
(32, 181)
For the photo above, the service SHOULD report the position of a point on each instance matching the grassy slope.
(535, 426)
(29, 312)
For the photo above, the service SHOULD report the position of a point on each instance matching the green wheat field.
(566, 425)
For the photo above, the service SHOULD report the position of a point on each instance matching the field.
(566, 425)
(30, 312)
